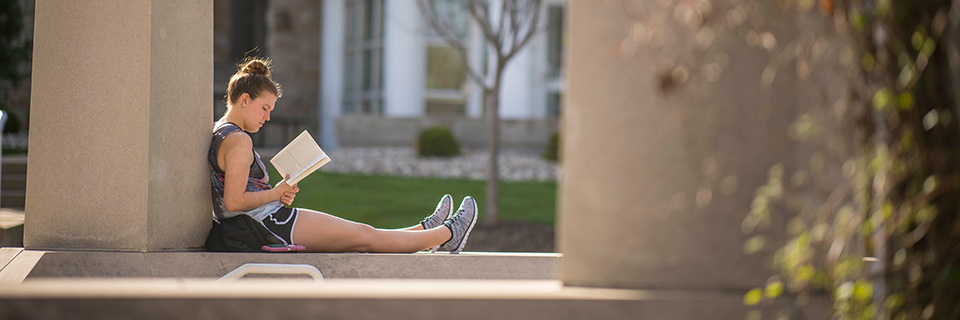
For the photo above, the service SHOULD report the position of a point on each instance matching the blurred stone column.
(120, 125)
(673, 119)
(294, 42)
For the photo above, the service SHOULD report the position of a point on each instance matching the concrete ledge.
(467, 265)
(378, 131)
(355, 299)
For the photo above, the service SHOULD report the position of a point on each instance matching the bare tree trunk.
(492, 100)
(505, 33)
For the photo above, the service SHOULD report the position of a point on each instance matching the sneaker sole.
(473, 222)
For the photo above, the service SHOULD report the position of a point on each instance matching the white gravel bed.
(15, 140)
(401, 161)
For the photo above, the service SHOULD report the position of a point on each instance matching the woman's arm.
(236, 151)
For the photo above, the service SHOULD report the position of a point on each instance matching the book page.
(298, 157)
(308, 171)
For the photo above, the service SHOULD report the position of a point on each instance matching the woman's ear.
(244, 98)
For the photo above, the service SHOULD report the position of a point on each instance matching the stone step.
(13, 181)
(13, 198)
(370, 299)
(16, 164)
(212, 265)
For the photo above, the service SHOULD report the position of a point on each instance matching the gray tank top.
(258, 179)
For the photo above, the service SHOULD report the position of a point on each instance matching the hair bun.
(256, 66)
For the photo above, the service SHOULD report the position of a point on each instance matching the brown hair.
(252, 78)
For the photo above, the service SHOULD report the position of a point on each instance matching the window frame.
(363, 56)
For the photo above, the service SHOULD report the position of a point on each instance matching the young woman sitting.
(250, 213)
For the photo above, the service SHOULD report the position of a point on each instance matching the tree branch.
(530, 30)
(500, 30)
(515, 23)
(482, 18)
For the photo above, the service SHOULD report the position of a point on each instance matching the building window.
(446, 73)
(553, 103)
(556, 41)
(445, 68)
(556, 48)
(363, 68)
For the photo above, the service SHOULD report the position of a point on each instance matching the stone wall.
(472, 133)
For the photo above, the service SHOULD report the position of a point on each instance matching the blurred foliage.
(553, 148)
(437, 142)
(884, 243)
(870, 209)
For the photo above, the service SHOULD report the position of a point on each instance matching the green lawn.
(393, 202)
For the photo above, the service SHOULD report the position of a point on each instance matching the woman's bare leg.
(321, 232)
(412, 228)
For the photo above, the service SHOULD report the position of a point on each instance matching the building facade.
(372, 73)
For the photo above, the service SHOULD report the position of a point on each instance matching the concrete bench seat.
(17, 264)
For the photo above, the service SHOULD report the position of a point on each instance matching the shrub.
(553, 147)
(437, 142)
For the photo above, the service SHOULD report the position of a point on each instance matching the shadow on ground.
(511, 236)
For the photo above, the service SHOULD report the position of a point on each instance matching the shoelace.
(424, 221)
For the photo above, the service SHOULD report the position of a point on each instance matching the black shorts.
(242, 234)
(281, 224)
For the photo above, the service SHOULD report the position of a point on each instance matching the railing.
(272, 268)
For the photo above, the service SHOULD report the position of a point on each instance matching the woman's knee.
(365, 237)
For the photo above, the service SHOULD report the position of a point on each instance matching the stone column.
(404, 61)
(670, 126)
(331, 64)
(120, 125)
(294, 42)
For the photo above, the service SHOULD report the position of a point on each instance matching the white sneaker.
(460, 225)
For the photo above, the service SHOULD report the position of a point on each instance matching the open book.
(299, 158)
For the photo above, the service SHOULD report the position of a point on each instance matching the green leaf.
(774, 289)
(930, 184)
(753, 297)
(894, 301)
(926, 214)
(917, 39)
(905, 101)
(928, 47)
(844, 291)
(858, 21)
(863, 290)
(882, 99)
(884, 7)
(754, 245)
(868, 62)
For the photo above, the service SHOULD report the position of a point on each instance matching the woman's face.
(256, 112)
